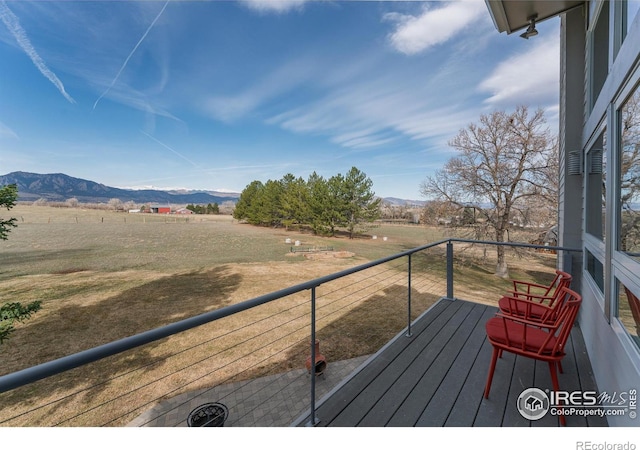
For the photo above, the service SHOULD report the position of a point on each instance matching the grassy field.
(103, 275)
(60, 240)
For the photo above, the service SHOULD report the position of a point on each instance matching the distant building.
(184, 211)
(157, 209)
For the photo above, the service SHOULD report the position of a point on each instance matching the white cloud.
(525, 78)
(365, 115)
(277, 6)
(13, 25)
(102, 64)
(442, 122)
(363, 138)
(434, 26)
(229, 108)
(175, 152)
(132, 98)
(7, 133)
(126, 61)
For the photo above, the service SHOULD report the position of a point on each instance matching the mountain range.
(58, 187)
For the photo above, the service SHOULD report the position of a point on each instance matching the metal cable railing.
(218, 365)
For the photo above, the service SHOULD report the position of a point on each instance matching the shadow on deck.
(437, 376)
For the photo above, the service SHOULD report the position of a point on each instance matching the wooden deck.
(437, 376)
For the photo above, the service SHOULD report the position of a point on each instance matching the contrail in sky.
(13, 25)
(126, 61)
(168, 148)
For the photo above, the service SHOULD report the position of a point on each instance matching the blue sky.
(216, 94)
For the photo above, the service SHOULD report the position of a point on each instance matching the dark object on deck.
(208, 415)
(321, 361)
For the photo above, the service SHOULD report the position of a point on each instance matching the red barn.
(157, 209)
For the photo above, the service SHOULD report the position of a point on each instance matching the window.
(630, 12)
(596, 165)
(629, 180)
(629, 312)
(595, 269)
(599, 38)
(625, 13)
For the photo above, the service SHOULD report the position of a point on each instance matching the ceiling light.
(531, 30)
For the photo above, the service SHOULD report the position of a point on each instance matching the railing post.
(312, 372)
(567, 261)
(450, 270)
(409, 297)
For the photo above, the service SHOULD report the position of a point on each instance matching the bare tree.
(541, 210)
(630, 176)
(227, 207)
(130, 205)
(115, 203)
(437, 212)
(501, 162)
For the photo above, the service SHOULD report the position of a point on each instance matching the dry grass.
(103, 279)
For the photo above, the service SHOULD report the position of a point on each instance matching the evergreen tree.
(14, 311)
(213, 209)
(294, 201)
(271, 213)
(10, 313)
(361, 207)
(325, 205)
(334, 215)
(249, 202)
(318, 194)
(8, 197)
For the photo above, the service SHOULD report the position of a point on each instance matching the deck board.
(523, 377)
(432, 368)
(569, 379)
(542, 379)
(437, 376)
(370, 387)
(585, 375)
(442, 402)
(465, 409)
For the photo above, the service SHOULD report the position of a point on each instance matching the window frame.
(595, 56)
(623, 268)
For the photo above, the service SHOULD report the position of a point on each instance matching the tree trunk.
(502, 270)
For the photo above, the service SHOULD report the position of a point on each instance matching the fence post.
(409, 297)
(312, 373)
(450, 270)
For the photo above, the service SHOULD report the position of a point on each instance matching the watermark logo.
(534, 403)
(589, 445)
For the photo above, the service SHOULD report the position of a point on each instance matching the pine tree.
(13, 312)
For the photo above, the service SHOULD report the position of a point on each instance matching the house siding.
(616, 360)
(572, 62)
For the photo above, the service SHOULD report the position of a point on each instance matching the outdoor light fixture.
(596, 161)
(531, 30)
(575, 162)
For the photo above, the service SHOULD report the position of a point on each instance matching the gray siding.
(616, 361)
